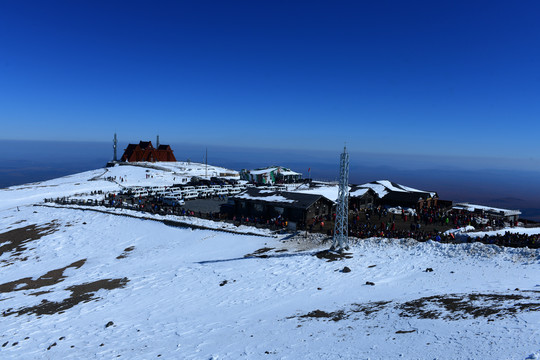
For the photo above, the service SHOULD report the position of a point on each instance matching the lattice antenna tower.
(341, 229)
(115, 145)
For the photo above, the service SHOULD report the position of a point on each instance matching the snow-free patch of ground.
(83, 284)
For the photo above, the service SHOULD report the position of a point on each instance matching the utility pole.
(341, 228)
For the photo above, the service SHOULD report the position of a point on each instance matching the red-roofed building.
(144, 151)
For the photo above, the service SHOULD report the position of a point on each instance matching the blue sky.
(451, 79)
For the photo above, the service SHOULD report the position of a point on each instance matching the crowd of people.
(426, 224)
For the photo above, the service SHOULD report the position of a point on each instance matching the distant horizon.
(32, 161)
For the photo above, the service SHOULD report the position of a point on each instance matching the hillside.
(86, 284)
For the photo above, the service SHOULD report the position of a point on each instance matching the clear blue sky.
(454, 78)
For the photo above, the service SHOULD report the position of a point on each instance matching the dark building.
(144, 151)
(361, 198)
(297, 208)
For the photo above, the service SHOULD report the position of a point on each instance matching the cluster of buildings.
(282, 193)
(312, 200)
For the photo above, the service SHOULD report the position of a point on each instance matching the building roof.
(129, 151)
(488, 209)
(280, 169)
(145, 144)
(284, 198)
(384, 187)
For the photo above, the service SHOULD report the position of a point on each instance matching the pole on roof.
(341, 228)
(157, 141)
(206, 164)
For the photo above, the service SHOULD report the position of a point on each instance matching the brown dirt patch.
(446, 307)
(465, 306)
(126, 252)
(16, 240)
(260, 252)
(318, 314)
(79, 293)
(332, 255)
(367, 309)
(51, 278)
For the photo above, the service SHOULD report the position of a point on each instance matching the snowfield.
(80, 284)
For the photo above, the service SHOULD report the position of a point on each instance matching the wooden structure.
(297, 208)
(144, 151)
(361, 198)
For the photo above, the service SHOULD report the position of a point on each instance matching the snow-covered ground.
(80, 284)
(108, 179)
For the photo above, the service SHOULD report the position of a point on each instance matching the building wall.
(270, 210)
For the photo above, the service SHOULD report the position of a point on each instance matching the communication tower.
(115, 145)
(341, 229)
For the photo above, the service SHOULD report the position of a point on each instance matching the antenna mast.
(341, 229)
(115, 145)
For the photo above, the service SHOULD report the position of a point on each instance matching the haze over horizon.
(31, 161)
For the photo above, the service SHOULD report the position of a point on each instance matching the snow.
(289, 172)
(473, 208)
(358, 192)
(514, 230)
(205, 294)
(379, 189)
(398, 210)
(262, 171)
(126, 175)
(271, 198)
(461, 230)
(383, 187)
(329, 191)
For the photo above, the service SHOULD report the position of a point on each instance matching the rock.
(110, 323)
(370, 283)
(429, 270)
(346, 270)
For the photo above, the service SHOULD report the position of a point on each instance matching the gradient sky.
(453, 79)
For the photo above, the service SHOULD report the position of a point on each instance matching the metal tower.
(157, 141)
(115, 145)
(341, 229)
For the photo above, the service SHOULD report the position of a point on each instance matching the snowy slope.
(80, 284)
(107, 179)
